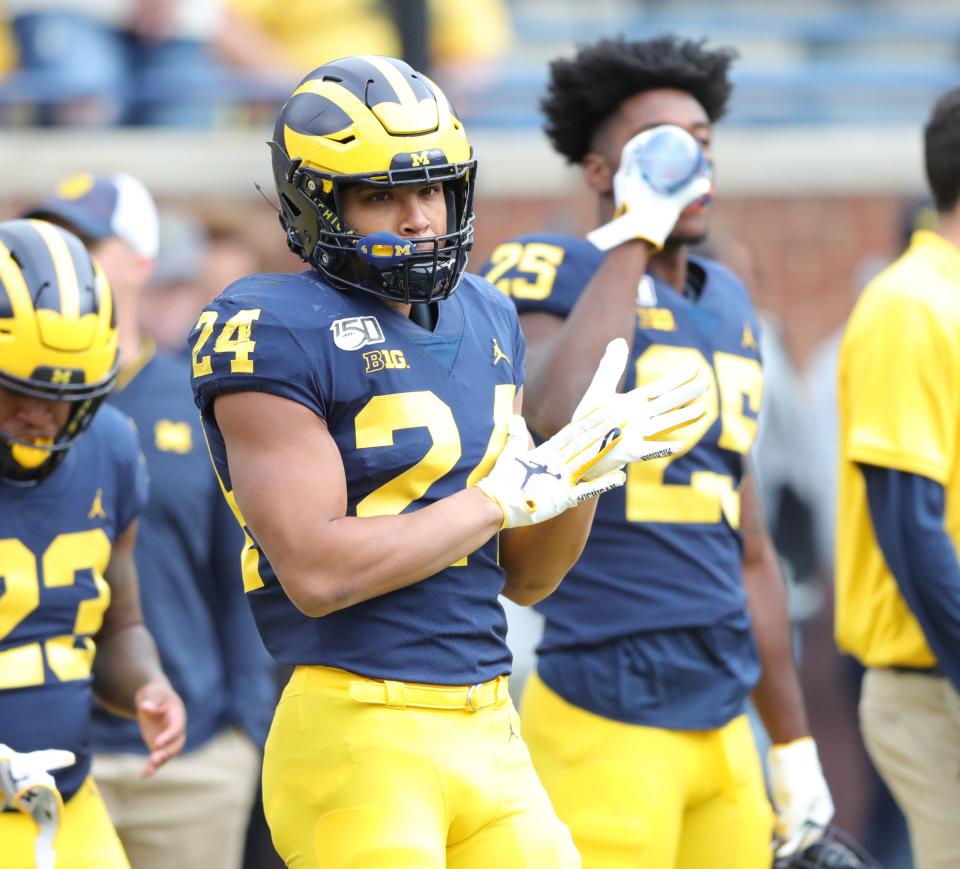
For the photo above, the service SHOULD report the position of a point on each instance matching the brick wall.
(801, 257)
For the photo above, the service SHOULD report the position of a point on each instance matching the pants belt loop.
(472, 699)
(396, 694)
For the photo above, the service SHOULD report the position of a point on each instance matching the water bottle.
(669, 158)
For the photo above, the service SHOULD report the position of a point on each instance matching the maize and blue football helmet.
(58, 338)
(373, 120)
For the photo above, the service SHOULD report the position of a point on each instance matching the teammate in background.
(188, 558)
(898, 577)
(363, 418)
(676, 611)
(72, 483)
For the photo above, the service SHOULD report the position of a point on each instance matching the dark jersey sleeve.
(543, 272)
(506, 316)
(520, 352)
(133, 486)
(907, 511)
(250, 341)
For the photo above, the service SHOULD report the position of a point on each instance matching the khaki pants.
(911, 727)
(193, 813)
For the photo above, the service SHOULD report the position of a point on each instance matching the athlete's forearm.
(561, 359)
(126, 661)
(126, 658)
(537, 557)
(348, 560)
(777, 696)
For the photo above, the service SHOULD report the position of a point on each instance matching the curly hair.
(583, 92)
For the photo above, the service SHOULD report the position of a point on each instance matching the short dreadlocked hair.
(583, 92)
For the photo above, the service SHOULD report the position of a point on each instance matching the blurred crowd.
(187, 63)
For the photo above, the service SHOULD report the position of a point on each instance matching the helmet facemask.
(28, 463)
(310, 214)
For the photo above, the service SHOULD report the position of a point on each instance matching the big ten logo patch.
(173, 437)
(352, 333)
(383, 360)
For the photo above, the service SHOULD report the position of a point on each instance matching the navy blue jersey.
(188, 559)
(416, 415)
(664, 552)
(55, 543)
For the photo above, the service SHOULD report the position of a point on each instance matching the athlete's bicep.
(285, 468)
(541, 330)
(757, 545)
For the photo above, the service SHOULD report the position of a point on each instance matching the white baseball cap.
(101, 206)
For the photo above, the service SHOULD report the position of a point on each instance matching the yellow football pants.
(646, 797)
(364, 774)
(86, 838)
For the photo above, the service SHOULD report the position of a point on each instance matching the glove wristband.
(619, 230)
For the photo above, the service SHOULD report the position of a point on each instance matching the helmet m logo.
(421, 158)
(61, 375)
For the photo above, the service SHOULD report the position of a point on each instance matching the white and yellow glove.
(800, 794)
(650, 409)
(534, 485)
(661, 172)
(26, 785)
(584, 459)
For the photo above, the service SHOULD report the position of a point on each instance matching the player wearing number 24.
(363, 418)
(676, 611)
(72, 483)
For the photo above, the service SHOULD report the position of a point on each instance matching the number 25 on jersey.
(733, 398)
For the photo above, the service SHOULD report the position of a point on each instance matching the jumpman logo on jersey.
(747, 341)
(498, 354)
(96, 508)
(533, 469)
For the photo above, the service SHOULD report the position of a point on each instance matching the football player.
(71, 485)
(363, 417)
(186, 558)
(676, 611)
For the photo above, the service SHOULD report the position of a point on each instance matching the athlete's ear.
(598, 173)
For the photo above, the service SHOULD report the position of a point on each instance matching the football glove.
(534, 485)
(800, 794)
(649, 409)
(26, 785)
(644, 208)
